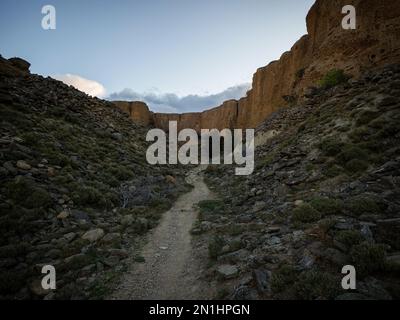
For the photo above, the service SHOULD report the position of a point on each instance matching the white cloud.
(171, 103)
(91, 87)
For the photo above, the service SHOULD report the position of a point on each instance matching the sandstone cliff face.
(224, 116)
(374, 43)
(138, 111)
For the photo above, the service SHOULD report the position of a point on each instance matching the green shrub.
(349, 237)
(327, 224)
(39, 198)
(359, 205)
(215, 247)
(305, 213)
(24, 192)
(331, 147)
(315, 284)
(351, 152)
(333, 171)
(333, 78)
(121, 173)
(19, 188)
(326, 206)
(359, 134)
(356, 166)
(85, 195)
(366, 116)
(211, 206)
(235, 229)
(368, 258)
(31, 139)
(161, 204)
(283, 278)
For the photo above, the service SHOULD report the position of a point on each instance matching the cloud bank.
(171, 103)
(91, 87)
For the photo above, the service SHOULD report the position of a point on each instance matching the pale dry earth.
(172, 267)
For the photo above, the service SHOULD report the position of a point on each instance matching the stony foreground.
(76, 189)
(325, 193)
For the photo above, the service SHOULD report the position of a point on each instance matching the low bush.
(333, 78)
(368, 258)
(326, 206)
(315, 284)
(305, 213)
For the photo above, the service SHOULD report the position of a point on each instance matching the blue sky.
(154, 48)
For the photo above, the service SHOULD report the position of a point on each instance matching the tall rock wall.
(374, 43)
(137, 110)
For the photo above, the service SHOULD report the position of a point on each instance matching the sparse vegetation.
(333, 170)
(355, 166)
(215, 247)
(283, 278)
(326, 206)
(333, 78)
(305, 213)
(366, 117)
(362, 204)
(351, 152)
(314, 284)
(368, 258)
(331, 147)
(349, 237)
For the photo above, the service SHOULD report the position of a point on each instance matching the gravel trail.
(172, 266)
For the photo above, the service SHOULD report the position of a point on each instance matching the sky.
(176, 55)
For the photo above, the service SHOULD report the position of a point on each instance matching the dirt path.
(172, 267)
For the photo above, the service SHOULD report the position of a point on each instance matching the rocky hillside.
(325, 193)
(76, 189)
(327, 46)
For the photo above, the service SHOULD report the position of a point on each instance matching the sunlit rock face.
(374, 43)
(138, 111)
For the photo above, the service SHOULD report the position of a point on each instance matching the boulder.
(20, 64)
(227, 271)
(93, 235)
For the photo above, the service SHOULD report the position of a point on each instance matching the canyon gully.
(235, 149)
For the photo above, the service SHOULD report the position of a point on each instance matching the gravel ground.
(172, 267)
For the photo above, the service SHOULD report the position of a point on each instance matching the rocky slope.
(76, 190)
(325, 193)
(374, 43)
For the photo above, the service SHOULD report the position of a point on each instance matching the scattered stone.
(69, 236)
(227, 271)
(37, 288)
(93, 235)
(63, 215)
(21, 164)
(170, 179)
(127, 220)
(298, 203)
(262, 280)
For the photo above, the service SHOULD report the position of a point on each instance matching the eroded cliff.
(375, 42)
